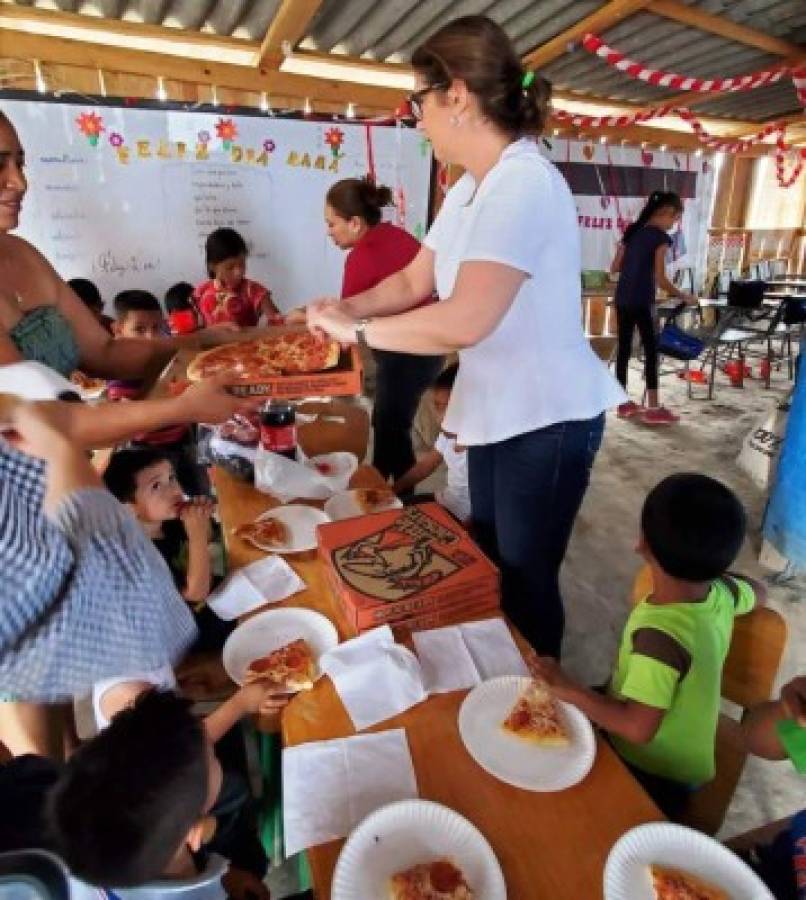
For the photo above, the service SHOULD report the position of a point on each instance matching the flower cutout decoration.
(227, 130)
(204, 137)
(90, 125)
(116, 139)
(334, 138)
(269, 146)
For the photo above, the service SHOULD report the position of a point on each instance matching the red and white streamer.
(677, 82)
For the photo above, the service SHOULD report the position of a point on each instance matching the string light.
(662, 148)
(556, 132)
(602, 140)
(350, 112)
(101, 83)
(307, 109)
(214, 95)
(162, 94)
(264, 102)
(40, 78)
(698, 152)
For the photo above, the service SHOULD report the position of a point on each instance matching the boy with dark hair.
(144, 480)
(145, 800)
(90, 296)
(662, 705)
(139, 315)
(455, 496)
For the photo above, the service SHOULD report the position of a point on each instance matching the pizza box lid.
(392, 556)
(344, 380)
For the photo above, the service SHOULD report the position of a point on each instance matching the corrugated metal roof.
(389, 30)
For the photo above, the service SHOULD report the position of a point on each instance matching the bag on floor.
(758, 457)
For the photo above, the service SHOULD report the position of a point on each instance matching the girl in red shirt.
(379, 249)
(230, 297)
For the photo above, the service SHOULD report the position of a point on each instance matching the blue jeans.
(525, 493)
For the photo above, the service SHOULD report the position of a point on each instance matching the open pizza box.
(411, 568)
(343, 380)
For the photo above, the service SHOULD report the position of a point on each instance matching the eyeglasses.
(416, 98)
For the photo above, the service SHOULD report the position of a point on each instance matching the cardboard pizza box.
(394, 565)
(402, 630)
(344, 380)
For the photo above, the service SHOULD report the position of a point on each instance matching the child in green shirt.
(662, 704)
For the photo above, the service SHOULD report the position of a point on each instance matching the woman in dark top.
(377, 250)
(641, 263)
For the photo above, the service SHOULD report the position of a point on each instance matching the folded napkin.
(331, 786)
(462, 656)
(268, 580)
(374, 677)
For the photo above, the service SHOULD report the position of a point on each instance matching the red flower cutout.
(334, 138)
(90, 124)
(226, 129)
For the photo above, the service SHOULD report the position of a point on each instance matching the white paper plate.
(626, 875)
(340, 465)
(409, 832)
(345, 506)
(301, 522)
(513, 760)
(271, 630)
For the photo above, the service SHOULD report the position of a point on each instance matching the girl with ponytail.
(641, 263)
(353, 212)
(503, 254)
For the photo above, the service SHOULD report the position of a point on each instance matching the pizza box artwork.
(394, 565)
(344, 379)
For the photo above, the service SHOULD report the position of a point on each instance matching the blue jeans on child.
(525, 493)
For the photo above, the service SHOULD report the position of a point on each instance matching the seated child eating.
(145, 800)
(139, 315)
(455, 496)
(662, 705)
(144, 479)
(229, 297)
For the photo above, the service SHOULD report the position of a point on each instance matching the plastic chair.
(748, 676)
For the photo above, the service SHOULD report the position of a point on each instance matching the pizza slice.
(292, 667)
(438, 880)
(372, 500)
(269, 532)
(536, 717)
(674, 884)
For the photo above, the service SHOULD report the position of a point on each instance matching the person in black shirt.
(641, 263)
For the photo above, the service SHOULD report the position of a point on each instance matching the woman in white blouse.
(504, 256)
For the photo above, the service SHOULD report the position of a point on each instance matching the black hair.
(478, 51)
(221, 244)
(359, 197)
(135, 301)
(126, 799)
(693, 525)
(446, 378)
(656, 200)
(177, 297)
(88, 293)
(120, 476)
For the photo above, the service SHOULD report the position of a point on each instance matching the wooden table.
(549, 845)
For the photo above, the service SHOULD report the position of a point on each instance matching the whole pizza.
(266, 357)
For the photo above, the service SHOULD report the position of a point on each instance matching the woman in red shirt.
(379, 249)
(229, 296)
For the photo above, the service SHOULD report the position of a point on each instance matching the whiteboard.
(126, 197)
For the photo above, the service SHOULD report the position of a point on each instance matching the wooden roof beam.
(726, 28)
(288, 26)
(84, 54)
(599, 20)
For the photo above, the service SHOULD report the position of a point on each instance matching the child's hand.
(793, 700)
(262, 698)
(546, 668)
(195, 516)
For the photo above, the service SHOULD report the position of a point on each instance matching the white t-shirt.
(536, 368)
(455, 497)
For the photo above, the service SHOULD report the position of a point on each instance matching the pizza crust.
(370, 500)
(291, 666)
(675, 884)
(536, 718)
(268, 532)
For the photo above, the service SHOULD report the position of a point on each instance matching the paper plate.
(513, 760)
(301, 522)
(339, 465)
(409, 832)
(271, 630)
(626, 875)
(345, 506)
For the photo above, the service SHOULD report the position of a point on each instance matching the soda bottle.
(278, 430)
